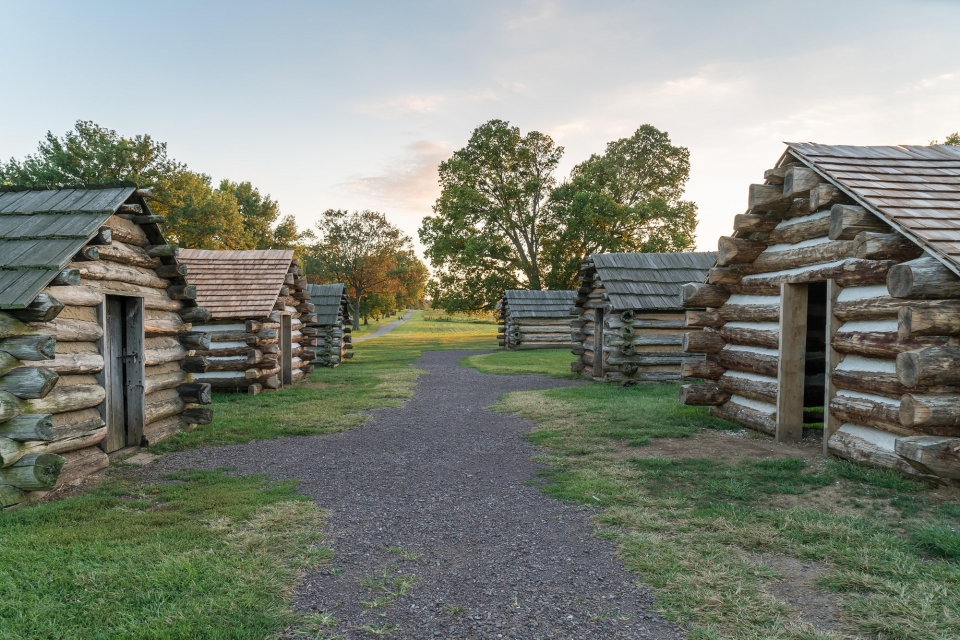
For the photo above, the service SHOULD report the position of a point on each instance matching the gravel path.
(447, 482)
(385, 329)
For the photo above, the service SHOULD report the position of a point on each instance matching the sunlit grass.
(379, 375)
(554, 363)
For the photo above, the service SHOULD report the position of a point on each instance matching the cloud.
(931, 83)
(408, 182)
(403, 104)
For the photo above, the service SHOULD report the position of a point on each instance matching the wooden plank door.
(791, 371)
(598, 343)
(122, 378)
(286, 350)
(830, 422)
(133, 370)
(113, 410)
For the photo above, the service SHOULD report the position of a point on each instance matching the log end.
(908, 368)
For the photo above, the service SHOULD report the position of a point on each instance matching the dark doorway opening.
(122, 347)
(816, 355)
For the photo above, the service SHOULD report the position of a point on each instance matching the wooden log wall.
(524, 333)
(51, 421)
(638, 346)
(332, 342)
(894, 356)
(243, 354)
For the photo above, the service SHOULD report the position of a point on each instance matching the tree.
(489, 216)
(199, 217)
(502, 222)
(627, 200)
(235, 216)
(363, 251)
(953, 139)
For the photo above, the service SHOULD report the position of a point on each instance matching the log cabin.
(629, 325)
(836, 303)
(258, 303)
(96, 321)
(332, 327)
(535, 319)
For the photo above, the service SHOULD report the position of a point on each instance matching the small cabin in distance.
(332, 327)
(258, 304)
(535, 319)
(835, 304)
(629, 324)
(96, 321)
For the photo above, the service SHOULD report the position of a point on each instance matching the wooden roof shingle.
(237, 284)
(649, 280)
(328, 302)
(523, 303)
(41, 231)
(916, 189)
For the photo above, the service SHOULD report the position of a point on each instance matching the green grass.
(196, 555)
(695, 528)
(379, 375)
(554, 363)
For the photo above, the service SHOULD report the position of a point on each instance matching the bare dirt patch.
(796, 587)
(729, 446)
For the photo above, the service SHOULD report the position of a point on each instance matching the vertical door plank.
(598, 343)
(133, 371)
(830, 422)
(286, 349)
(792, 364)
(114, 378)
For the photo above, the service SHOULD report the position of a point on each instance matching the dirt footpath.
(437, 530)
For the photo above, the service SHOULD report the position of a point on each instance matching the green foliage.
(91, 154)
(626, 200)
(953, 139)
(371, 256)
(486, 232)
(198, 555)
(233, 216)
(502, 222)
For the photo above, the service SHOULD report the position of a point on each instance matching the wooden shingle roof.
(237, 284)
(41, 231)
(328, 302)
(649, 280)
(915, 189)
(523, 303)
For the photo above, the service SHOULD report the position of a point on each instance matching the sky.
(353, 105)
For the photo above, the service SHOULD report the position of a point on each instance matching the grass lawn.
(716, 537)
(195, 555)
(379, 375)
(554, 363)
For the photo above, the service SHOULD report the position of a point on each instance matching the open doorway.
(815, 357)
(801, 370)
(122, 346)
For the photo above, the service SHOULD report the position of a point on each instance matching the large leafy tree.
(487, 223)
(367, 253)
(233, 216)
(629, 199)
(502, 221)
